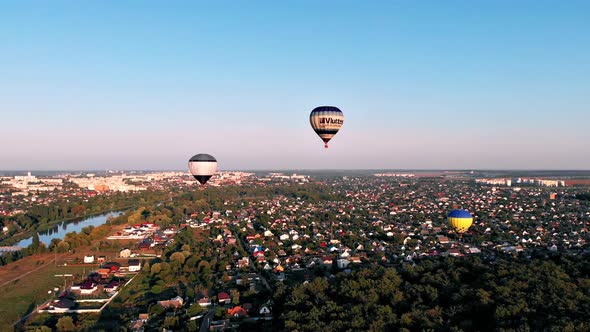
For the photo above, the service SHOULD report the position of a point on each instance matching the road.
(207, 321)
(264, 281)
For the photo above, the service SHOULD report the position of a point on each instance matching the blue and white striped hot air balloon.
(326, 121)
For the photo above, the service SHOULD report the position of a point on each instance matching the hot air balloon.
(202, 166)
(460, 220)
(326, 121)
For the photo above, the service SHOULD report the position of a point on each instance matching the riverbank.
(52, 224)
(26, 282)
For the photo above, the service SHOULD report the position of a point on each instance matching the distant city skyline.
(422, 85)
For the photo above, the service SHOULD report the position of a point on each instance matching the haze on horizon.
(423, 85)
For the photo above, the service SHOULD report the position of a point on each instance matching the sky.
(422, 84)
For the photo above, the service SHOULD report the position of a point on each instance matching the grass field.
(22, 295)
(25, 283)
(21, 290)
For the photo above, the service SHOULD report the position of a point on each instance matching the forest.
(445, 294)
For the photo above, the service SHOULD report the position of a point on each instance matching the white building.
(134, 265)
(89, 259)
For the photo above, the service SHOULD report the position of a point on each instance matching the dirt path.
(30, 271)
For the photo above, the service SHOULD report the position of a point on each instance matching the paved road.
(207, 321)
(262, 278)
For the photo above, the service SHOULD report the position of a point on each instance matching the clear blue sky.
(422, 84)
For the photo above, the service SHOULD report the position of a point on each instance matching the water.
(60, 231)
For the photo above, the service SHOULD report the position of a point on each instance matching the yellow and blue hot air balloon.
(460, 220)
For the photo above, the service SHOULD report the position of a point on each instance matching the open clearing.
(21, 296)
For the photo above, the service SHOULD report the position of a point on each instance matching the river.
(60, 231)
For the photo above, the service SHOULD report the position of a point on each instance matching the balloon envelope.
(202, 166)
(326, 121)
(460, 220)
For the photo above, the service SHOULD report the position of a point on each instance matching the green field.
(22, 295)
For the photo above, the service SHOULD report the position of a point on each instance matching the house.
(473, 250)
(137, 325)
(176, 303)
(223, 298)
(237, 312)
(342, 263)
(443, 239)
(264, 310)
(355, 259)
(125, 253)
(89, 259)
(244, 262)
(134, 265)
(112, 266)
(205, 302)
(454, 252)
(112, 286)
(104, 273)
(63, 305)
(88, 287)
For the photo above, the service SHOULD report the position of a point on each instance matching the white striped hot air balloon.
(326, 121)
(202, 166)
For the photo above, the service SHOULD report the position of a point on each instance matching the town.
(214, 258)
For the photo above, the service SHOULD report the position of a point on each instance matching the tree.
(63, 246)
(235, 295)
(35, 245)
(156, 268)
(192, 326)
(156, 289)
(43, 329)
(177, 257)
(195, 309)
(65, 323)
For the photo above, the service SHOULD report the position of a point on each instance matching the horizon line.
(306, 169)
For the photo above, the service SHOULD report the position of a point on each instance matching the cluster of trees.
(49, 323)
(42, 218)
(191, 268)
(71, 241)
(160, 207)
(444, 295)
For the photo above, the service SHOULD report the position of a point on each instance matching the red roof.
(237, 311)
